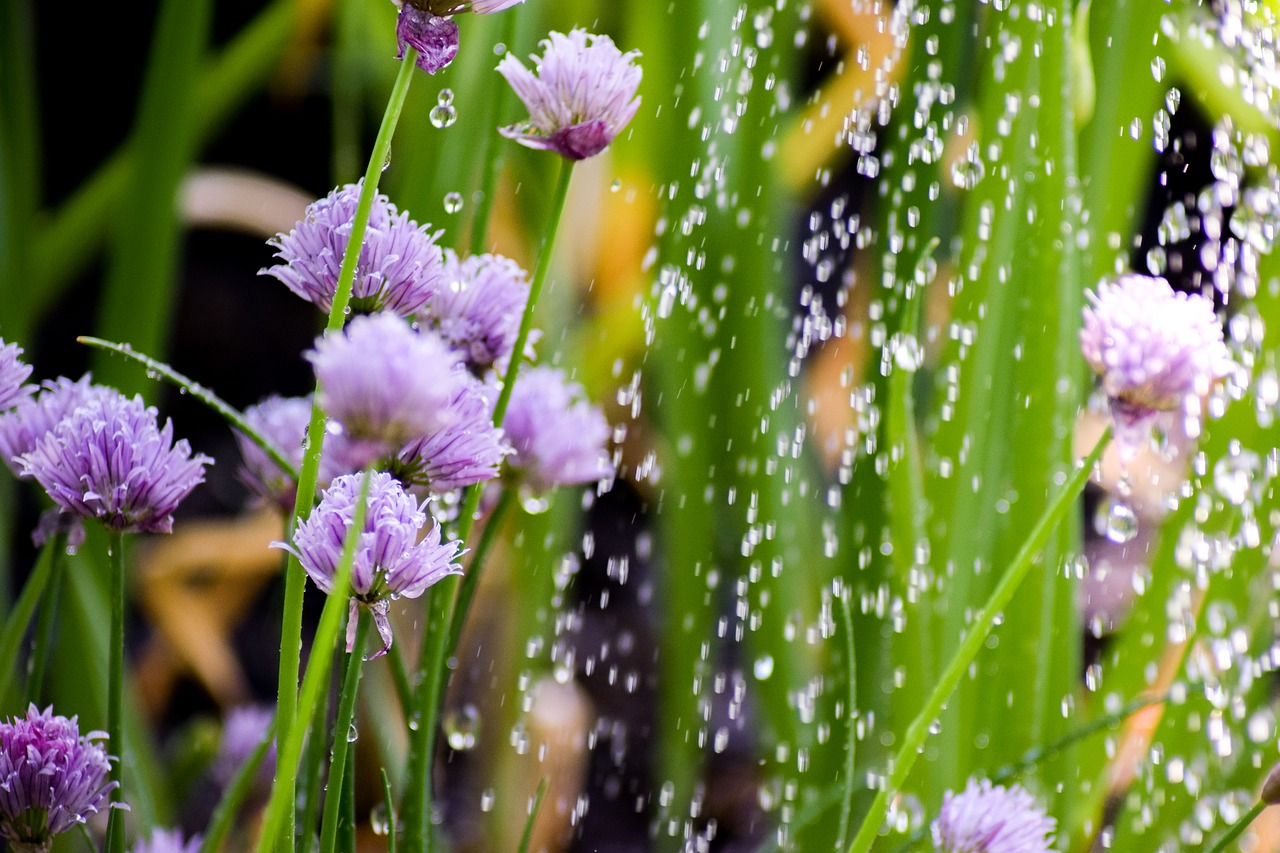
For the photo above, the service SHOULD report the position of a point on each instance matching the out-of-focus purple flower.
(242, 733)
(385, 383)
(468, 451)
(13, 376)
(558, 437)
(434, 37)
(51, 778)
(390, 561)
(400, 263)
(988, 818)
(110, 460)
(283, 421)
(1156, 350)
(35, 417)
(167, 841)
(478, 307)
(582, 96)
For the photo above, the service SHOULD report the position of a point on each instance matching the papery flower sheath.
(467, 451)
(582, 95)
(391, 560)
(385, 383)
(399, 266)
(478, 307)
(1155, 349)
(110, 460)
(13, 376)
(167, 841)
(986, 818)
(557, 437)
(51, 778)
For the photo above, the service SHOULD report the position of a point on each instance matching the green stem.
(388, 802)
(311, 775)
(341, 740)
(846, 807)
(115, 690)
(417, 801)
(279, 824)
(527, 835)
(471, 580)
(493, 160)
(201, 393)
(400, 678)
(16, 625)
(979, 630)
(233, 798)
(44, 621)
(295, 580)
(1237, 829)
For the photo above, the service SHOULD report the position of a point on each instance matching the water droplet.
(763, 667)
(1233, 475)
(378, 820)
(353, 734)
(445, 98)
(1116, 521)
(461, 727)
(452, 202)
(443, 115)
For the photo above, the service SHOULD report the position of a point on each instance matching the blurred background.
(826, 288)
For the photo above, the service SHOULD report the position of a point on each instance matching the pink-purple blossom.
(478, 307)
(986, 818)
(110, 460)
(427, 27)
(469, 450)
(393, 557)
(582, 95)
(34, 417)
(13, 376)
(283, 421)
(1155, 349)
(385, 383)
(51, 777)
(243, 730)
(557, 437)
(399, 266)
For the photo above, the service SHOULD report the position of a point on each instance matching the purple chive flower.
(385, 383)
(34, 417)
(468, 451)
(284, 421)
(13, 377)
(582, 96)
(1156, 350)
(478, 307)
(424, 25)
(400, 263)
(167, 841)
(51, 778)
(988, 818)
(558, 437)
(242, 733)
(390, 561)
(110, 460)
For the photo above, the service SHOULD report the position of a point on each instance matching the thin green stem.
(1237, 829)
(341, 739)
(535, 290)
(527, 835)
(160, 370)
(295, 580)
(471, 580)
(279, 824)
(115, 690)
(846, 807)
(20, 617)
(983, 623)
(435, 649)
(43, 642)
(500, 97)
(400, 678)
(311, 775)
(228, 808)
(389, 803)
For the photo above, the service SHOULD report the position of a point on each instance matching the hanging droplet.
(378, 820)
(353, 734)
(461, 727)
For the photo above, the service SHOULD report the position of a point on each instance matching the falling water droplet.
(1233, 475)
(764, 667)
(461, 727)
(452, 202)
(444, 113)
(1116, 521)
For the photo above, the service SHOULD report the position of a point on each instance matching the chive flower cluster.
(987, 818)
